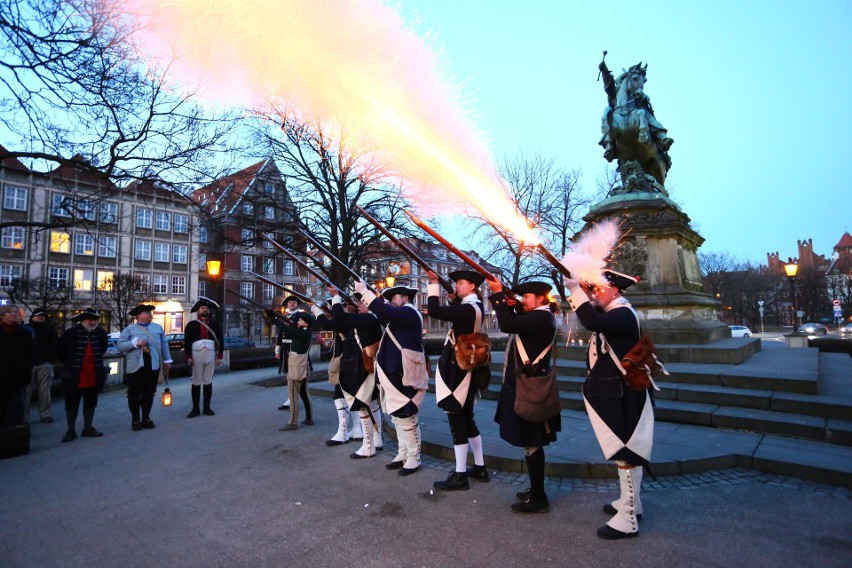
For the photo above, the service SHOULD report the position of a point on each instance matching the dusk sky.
(755, 94)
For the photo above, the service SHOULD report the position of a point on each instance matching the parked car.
(175, 340)
(239, 343)
(846, 330)
(740, 331)
(813, 329)
(112, 343)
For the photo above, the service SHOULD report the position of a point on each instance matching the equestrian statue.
(632, 135)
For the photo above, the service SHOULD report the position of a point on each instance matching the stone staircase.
(778, 391)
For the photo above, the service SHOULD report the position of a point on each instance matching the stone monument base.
(659, 246)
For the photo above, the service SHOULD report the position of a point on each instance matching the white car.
(740, 331)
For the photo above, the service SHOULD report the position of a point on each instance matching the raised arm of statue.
(609, 83)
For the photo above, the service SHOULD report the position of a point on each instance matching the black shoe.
(524, 495)
(357, 456)
(606, 532)
(148, 424)
(332, 443)
(90, 432)
(193, 413)
(136, 425)
(284, 407)
(354, 439)
(308, 422)
(405, 471)
(455, 482)
(531, 506)
(394, 465)
(69, 437)
(208, 412)
(479, 473)
(610, 510)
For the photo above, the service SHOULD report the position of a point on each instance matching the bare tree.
(38, 293)
(551, 199)
(715, 268)
(74, 95)
(119, 294)
(325, 182)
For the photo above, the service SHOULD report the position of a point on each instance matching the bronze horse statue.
(631, 132)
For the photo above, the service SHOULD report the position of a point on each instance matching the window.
(82, 280)
(105, 280)
(248, 208)
(164, 222)
(246, 236)
(202, 234)
(247, 262)
(268, 292)
(288, 268)
(178, 285)
(8, 274)
(269, 188)
(269, 266)
(179, 254)
(181, 223)
(57, 277)
(161, 284)
(88, 210)
(161, 252)
(109, 212)
(268, 244)
(202, 288)
(143, 280)
(143, 250)
(60, 241)
(143, 218)
(247, 290)
(84, 245)
(202, 262)
(12, 238)
(59, 206)
(269, 212)
(107, 246)
(15, 198)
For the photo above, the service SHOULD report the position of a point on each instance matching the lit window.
(105, 280)
(83, 280)
(60, 241)
(12, 238)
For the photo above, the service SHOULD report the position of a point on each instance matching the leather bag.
(640, 365)
(536, 395)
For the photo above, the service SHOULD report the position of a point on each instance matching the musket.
(310, 270)
(554, 261)
(467, 259)
(406, 249)
(249, 300)
(304, 298)
(334, 258)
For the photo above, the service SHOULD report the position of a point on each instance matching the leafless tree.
(551, 199)
(38, 293)
(325, 181)
(74, 94)
(119, 294)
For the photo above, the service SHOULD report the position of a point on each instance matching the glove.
(571, 284)
(360, 287)
(270, 314)
(316, 310)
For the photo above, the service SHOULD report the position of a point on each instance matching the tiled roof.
(223, 194)
(11, 162)
(84, 172)
(845, 241)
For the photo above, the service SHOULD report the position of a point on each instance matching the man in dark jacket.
(15, 352)
(44, 343)
(203, 346)
(81, 348)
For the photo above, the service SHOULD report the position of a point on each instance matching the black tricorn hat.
(142, 308)
(400, 288)
(38, 312)
(471, 276)
(289, 299)
(204, 301)
(88, 313)
(306, 317)
(533, 287)
(619, 280)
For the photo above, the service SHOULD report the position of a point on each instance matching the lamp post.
(791, 269)
(214, 272)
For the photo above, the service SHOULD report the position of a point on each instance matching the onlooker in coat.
(44, 343)
(81, 348)
(16, 346)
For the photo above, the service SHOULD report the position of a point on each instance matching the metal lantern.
(167, 397)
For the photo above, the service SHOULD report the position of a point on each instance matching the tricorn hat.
(142, 308)
(400, 288)
(471, 276)
(87, 314)
(288, 299)
(308, 318)
(533, 287)
(619, 280)
(204, 301)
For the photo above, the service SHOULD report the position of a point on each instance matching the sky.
(753, 93)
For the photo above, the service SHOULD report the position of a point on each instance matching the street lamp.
(791, 269)
(214, 271)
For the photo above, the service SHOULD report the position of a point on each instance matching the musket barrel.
(334, 258)
(554, 261)
(310, 270)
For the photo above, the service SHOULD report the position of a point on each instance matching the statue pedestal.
(659, 246)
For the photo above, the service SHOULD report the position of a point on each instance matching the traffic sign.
(836, 302)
